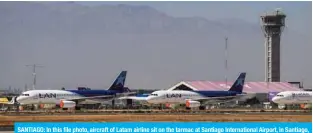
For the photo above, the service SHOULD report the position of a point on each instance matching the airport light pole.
(34, 74)
(226, 68)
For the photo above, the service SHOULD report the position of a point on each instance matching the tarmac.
(7, 119)
(154, 112)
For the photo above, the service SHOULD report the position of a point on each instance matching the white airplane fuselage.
(45, 96)
(173, 97)
(293, 97)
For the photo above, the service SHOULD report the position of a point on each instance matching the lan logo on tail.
(120, 80)
(239, 82)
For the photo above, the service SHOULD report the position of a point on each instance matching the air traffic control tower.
(272, 26)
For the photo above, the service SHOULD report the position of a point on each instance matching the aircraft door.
(293, 97)
(36, 96)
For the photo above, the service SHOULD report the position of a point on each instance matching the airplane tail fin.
(239, 83)
(119, 82)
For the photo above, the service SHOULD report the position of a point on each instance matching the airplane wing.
(135, 98)
(217, 98)
(126, 94)
(94, 97)
(225, 99)
(141, 100)
(100, 97)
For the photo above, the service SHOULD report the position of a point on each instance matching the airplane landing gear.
(77, 108)
(201, 107)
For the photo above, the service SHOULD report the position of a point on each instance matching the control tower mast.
(272, 26)
(34, 74)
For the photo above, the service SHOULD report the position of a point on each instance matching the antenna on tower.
(34, 74)
(25, 87)
(278, 10)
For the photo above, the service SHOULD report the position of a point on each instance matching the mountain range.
(88, 46)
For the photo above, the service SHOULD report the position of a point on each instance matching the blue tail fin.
(239, 83)
(119, 82)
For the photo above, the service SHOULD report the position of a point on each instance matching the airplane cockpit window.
(280, 95)
(24, 94)
(154, 94)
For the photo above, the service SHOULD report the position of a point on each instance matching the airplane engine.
(192, 104)
(306, 106)
(67, 104)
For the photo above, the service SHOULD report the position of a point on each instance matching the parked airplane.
(4, 100)
(195, 98)
(71, 98)
(6, 104)
(293, 97)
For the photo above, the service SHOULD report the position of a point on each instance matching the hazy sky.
(298, 13)
(87, 55)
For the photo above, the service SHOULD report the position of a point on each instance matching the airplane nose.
(19, 99)
(275, 99)
(150, 99)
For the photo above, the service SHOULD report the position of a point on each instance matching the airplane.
(293, 97)
(71, 98)
(195, 98)
(6, 104)
(4, 100)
